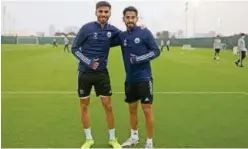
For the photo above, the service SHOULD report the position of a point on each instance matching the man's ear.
(123, 19)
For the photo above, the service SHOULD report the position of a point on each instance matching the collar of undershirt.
(132, 29)
(100, 25)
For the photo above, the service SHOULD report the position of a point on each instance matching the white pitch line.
(166, 93)
(38, 92)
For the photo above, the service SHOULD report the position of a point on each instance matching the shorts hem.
(84, 97)
(104, 95)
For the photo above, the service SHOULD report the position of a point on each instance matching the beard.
(103, 19)
(129, 25)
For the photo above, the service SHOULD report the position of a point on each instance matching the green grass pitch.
(198, 102)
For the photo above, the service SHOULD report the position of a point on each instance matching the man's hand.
(95, 63)
(142, 26)
(132, 58)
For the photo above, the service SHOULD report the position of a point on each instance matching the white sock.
(88, 133)
(149, 141)
(111, 134)
(134, 134)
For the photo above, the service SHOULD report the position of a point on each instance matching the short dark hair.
(102, 4)
(242, 34)
(130, 8)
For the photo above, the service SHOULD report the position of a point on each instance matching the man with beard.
(138, 49)
(91, 47)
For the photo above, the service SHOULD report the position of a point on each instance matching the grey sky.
(33, 16)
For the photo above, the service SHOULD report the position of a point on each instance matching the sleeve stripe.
(146, 56)
(82, 57)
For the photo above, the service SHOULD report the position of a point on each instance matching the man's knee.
(147, 109)
(106, 102)
(84, 103)
(133, 108)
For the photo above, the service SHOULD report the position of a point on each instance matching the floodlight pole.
(194, 21)
(186, 18)
(4, 16)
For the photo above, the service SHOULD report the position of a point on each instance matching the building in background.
(40, 34)
(52, 30)
(209, 34)
(70, 29)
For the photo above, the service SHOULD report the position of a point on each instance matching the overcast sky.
(227, 17)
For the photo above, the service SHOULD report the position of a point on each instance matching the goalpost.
(27, 40)
(235, 50)
(223, 46)
(187, 47)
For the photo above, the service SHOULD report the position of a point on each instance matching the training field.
(198, 102)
